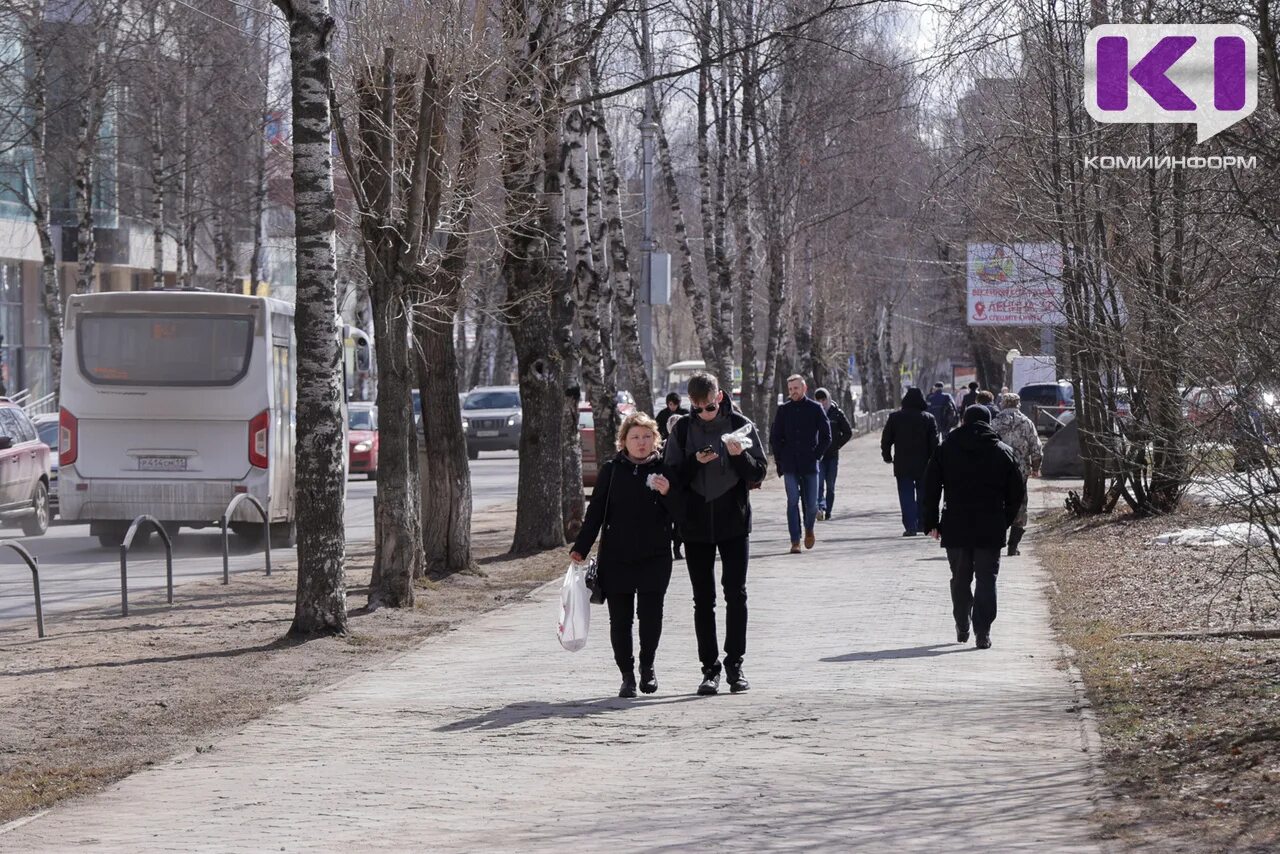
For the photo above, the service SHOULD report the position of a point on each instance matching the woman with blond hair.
(631, 510)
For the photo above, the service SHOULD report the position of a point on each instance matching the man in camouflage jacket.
(1018, 432)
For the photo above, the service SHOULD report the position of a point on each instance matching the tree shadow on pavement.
(518, 713)
(930, 651)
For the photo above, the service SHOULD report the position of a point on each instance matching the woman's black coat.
(635, 536)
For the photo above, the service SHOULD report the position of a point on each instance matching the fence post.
(33, 564)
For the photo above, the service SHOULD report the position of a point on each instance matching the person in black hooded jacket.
(983, 486)
(632, 508)
(909, 439)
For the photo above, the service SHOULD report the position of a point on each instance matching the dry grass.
(103, 696)
(1191, 729)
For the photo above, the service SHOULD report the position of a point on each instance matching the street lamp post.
(648, 125)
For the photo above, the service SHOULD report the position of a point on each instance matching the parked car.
(47, 429)
(1046, 403)
(24, 463)
(362, 439)
(491, 417)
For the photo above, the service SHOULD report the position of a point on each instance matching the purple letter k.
(1149, 73)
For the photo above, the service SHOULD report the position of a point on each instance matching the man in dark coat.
(943, 409)
(983, 486)
(909, 439)
(673, 407)
(715, 475)
(969, 399)
(801, 435)
(829, 465)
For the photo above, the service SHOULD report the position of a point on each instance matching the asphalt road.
(75, 571)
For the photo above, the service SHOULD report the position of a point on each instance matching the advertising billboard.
(1016, 284)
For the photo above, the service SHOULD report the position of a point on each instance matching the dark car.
(24, 471)
(47, 428)
(1046, 403)
(491, 419)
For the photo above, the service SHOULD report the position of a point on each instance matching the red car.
(362, 439)
(24, 471)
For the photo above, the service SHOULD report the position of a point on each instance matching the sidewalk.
(867, 728)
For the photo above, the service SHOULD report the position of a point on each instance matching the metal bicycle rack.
(34, 565)
(226, 545)
(124, 559)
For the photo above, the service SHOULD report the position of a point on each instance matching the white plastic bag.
(575, 608)
(742, 436)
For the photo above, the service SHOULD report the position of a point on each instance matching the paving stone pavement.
(867, 728)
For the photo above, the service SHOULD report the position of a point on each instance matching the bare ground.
(1190, 728)
(103, 696)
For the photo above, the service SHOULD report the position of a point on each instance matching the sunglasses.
(710, 407)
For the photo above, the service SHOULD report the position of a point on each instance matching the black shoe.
(628, 688)
(648, 680)
(962, 635)
(984, 642)
(908, 533)
(676, 554)
(710, 682)
(737, 682)
(1013, 552)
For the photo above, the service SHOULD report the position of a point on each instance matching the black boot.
(710, 681)
(648, 680)
(737, 682)
(628, 688)
(1015, 537)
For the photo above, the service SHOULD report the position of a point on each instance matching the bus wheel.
(284, 535)
(250, 532)
(38, 522)
(110, 535)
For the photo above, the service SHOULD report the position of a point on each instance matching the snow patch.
(1231, 534)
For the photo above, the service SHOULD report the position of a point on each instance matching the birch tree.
(320, 485)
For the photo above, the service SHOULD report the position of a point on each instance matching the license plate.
(162, 463)
(487, 434)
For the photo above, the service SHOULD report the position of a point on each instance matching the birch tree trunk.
(37, 96)
(321, 606)
(157, 200)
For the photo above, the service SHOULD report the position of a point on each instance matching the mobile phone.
(709, 449)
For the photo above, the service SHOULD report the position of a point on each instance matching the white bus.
(174, 401)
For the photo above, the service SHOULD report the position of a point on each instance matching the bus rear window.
(164, 349)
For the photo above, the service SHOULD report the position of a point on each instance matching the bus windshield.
(164, 349)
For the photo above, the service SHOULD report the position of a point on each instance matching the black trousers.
(701, 558)
(631, 591)
(966, 565)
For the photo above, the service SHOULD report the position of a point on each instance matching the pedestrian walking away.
(670, 414)
(942, 407)
(969, 399)
(909, 439)
(977, 476)
(714, 474)
(800, 437)
(987, 399)
(631, 511)
(1019, 432)
(829, 465)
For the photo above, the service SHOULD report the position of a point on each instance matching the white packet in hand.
(742, 436)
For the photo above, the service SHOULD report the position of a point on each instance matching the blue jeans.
(801, 487)
(828, 467)
(909, 495)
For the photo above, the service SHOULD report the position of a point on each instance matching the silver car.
(491, 419)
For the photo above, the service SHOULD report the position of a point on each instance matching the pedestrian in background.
(715, 476)
(800, 437)
(942, 407)
(969, 399)
(909, 439)
(631, 510)
(829, 465)
(987, 399)
(1019, 432)
(673, 407)
(980, 481)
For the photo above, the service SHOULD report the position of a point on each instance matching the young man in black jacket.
(829, 465)
(983, 487)
(715, 475)
(673, 407)
(909, 439)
